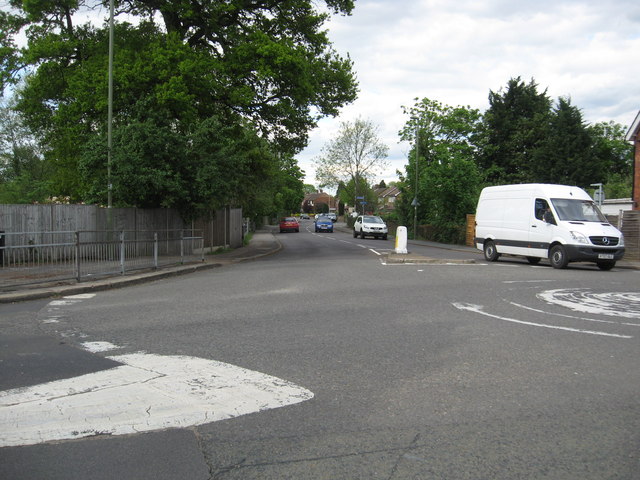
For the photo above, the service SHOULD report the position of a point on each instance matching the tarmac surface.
(263, 242)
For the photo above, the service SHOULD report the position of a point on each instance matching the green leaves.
(262, 70)
(444, 153)
(355, 153)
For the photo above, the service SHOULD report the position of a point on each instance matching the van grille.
(604, 241)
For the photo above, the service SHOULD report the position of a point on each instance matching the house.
(633, 136)
(311, 202)
(387, 197)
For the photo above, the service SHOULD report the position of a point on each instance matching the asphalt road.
(435, 371)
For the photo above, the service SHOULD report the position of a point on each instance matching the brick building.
(633, 135)
(313, 200)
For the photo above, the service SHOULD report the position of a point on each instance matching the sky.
(457, 52)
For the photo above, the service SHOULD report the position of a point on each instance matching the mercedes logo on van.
(605, 241)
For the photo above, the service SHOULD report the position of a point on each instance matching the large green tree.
(442, 173)
(565, 155)
(24, 175)
(616, 154)
(264, 65)
(515, 125)
(356, 153)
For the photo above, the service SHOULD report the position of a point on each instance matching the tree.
(616, 155)
(566, 156)
(308, 188)
(444, 153)
(515, 125)
(348, 192)
(355, 154)
(265, 65)
(24, 176)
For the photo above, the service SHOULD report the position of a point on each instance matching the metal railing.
(38, 257)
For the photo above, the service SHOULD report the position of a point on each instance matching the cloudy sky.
(456, 52)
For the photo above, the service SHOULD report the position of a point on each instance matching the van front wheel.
(490, 252)
(558, 257)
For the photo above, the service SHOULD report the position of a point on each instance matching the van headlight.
(621, 241)
(579, 238)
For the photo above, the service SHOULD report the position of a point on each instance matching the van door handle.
(534, 226)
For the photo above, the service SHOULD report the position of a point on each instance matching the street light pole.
(415, 198)
(110, 109)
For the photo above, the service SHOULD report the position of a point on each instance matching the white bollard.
(401, 240)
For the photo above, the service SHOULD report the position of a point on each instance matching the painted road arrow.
(148, 392)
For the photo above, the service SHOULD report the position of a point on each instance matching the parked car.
(324, 224)
(370, 225)
(289, 224)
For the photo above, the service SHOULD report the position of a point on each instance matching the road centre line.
(479, 309)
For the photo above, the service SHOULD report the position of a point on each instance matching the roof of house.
(387, 192)
(313, 196)
(634, 129)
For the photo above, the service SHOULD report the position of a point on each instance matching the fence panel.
(44, 257)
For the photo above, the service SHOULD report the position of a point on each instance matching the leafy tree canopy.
(515, 125)
(264, 65)
(355, 153)
(348, 192)
(444, 153)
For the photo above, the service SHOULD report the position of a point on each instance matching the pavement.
(263, 242)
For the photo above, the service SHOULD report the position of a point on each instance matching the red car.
(289, 223)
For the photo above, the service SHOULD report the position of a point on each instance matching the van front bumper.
(586, 253)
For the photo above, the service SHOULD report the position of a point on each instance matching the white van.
(557, 222)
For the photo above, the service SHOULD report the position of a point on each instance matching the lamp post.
(415, 202)
(110, 111)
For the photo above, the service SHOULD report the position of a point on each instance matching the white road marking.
(479, 309)
(528, 281)
(572, 316)
(149, 392)
(95, 347)
(377, 253)
(619, 304)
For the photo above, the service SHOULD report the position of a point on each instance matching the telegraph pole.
(110, 114)
(415, 202)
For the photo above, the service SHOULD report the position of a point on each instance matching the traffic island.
(399, 258)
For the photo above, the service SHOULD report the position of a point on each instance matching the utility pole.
(110, 115)
(415, 202)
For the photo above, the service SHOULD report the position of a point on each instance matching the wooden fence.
(220, 228)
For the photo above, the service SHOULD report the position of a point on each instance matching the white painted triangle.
(148, 392)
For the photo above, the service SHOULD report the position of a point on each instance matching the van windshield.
(570, 210)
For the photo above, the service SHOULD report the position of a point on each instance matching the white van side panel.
(506, 216)
(515, 225)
